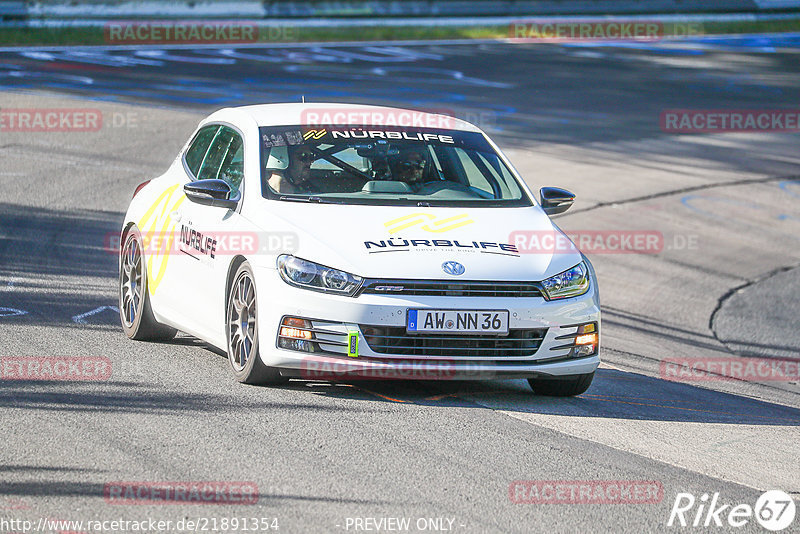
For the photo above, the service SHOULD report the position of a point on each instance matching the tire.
(135, 312)
(564, 387)
(242, 332)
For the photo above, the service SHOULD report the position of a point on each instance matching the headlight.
(308, 275)
(570, 283)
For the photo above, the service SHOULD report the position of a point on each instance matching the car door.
(211, 236)
(160, 228)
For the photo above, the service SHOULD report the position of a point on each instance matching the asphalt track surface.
(725, 285)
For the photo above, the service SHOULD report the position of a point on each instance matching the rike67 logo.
(774, 510)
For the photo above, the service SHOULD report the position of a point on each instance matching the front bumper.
(335, 318)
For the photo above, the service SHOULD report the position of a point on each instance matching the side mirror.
(555, 200)
(212, 193)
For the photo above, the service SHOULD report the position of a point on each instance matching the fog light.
(587, 341)
(295, 334)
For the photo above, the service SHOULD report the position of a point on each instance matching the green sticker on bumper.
(352, 344)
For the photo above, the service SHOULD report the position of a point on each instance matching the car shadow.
(56, 265)
(613, 394)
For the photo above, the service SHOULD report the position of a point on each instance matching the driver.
(291, 169)
(411, 166)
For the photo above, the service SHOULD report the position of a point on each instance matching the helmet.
(278, 158)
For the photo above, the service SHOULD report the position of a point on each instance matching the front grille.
(395, 340)
(450, 288)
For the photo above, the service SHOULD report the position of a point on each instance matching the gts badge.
(202, 243)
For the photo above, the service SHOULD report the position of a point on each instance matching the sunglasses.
(412, 165)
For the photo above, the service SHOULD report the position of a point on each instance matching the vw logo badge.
(453, 267)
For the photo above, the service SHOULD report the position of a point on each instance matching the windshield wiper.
(317, 200)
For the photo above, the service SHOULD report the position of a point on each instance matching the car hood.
(409, 242)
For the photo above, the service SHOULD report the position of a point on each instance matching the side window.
(197, 151)
(232, 168)
(224, 159)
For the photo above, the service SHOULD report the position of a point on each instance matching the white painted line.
(11, 312)
(311, 44)
(81, 319)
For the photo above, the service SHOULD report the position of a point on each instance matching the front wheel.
(135, 312)
(563, 387)
(242, 332)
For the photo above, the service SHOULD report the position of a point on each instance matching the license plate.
(458, 321)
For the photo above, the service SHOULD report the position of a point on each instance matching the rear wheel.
(562, 387)
(135, 312)
(242, 332)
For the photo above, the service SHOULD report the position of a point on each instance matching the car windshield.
(385, 165)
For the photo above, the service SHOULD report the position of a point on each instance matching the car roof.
(319, 114)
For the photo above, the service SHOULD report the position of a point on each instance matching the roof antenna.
(303, 97)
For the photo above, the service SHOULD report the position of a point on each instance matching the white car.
(359, 248)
